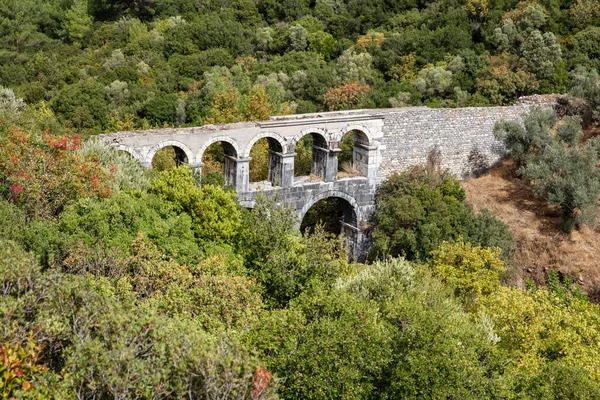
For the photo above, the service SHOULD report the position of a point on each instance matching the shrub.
(128, 173)
(521, 140)
(162, 109)
(21, 369)
(346, 96)
(384, 331)
(285, 263)
(214, 210)
(112, 224)
(418, 210)
(44, 173)
(472, 270)
(557, 168)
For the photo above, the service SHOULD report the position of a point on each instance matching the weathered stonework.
(410, 135)
(385, 141)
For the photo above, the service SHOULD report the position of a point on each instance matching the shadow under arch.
(227, 155)
(343, 217)
(276, 141)
(356, 153)
(313, 156)
(365, 132)
(230, 146)
(266, 152)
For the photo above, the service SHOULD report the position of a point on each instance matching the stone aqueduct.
(384, 141)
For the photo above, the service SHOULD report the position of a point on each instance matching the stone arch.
(131, 151)
(359, 128)
(350, 223)
(322, 158)
(176, 144)
(332, 193)
(364, 151)
(317, 133)
(222, 138)
(272, 136)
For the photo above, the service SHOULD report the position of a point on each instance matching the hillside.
(541, 244)
(103, 66)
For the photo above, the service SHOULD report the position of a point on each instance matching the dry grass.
(348, 170)
(590, 132)
(541, 245)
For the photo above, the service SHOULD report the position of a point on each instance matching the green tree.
(78, 23)
(285, 263)
(433, 81)
(298, 37)
(503, 82)
(531, 137)
(384, 330)
(586, 86)
(554, 163)
(161, 110)
(521, 34)
(541, 54)
(214, 210)
(326, 345)
(418, 210)
(568, 177)
(538, 328)
(355, 67)
(472, 270)
(113, 223)
(584, 12)
(321, 43)
(19, 21)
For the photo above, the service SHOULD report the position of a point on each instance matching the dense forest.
(118, 282)
(104, 65)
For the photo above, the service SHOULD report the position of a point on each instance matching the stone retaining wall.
(463, 136)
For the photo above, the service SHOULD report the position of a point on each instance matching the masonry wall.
(463, 136)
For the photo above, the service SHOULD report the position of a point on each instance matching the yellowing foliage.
(19, 368)
(345, 96)
(471, 270)
(537, 327)
(370, 39)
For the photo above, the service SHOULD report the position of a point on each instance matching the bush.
(522, 140)
(112, 224)
(384, 331)
(44, 173)
(112, 330)
(128, 173)
(557, 168)
(285, 263)
(162, 109)
(418, 210)
(214, 210)
(472, 270)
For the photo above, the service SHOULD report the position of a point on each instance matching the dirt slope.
(541, 245)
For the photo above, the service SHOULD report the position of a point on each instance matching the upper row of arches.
(276, 143)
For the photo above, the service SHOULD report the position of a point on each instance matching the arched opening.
(125, 154)
(338, 217)
(169, 157)
(266, 154)
(353, 159)
(311, 158)
(219, 164)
